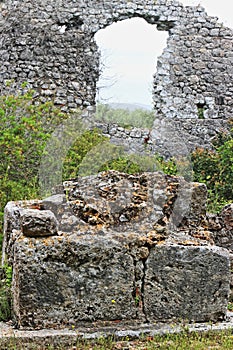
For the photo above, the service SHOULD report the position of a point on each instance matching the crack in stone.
(144, 262)
(140, 268)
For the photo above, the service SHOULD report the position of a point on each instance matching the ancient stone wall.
(51, 46)
(169, 138)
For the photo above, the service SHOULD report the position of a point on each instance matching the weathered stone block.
(36, 223)
(221, 227)
(12, 226)
(186, 282)
(63, 281)
(227, 216)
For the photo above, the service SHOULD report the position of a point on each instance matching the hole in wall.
(201, 108)
(129, 51)
(74, 23)
(219, 100)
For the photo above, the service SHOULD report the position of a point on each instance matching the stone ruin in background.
(131, 248)
(51, 46)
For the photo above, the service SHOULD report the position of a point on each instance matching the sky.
(129, 52)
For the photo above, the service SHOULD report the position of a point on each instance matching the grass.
(182, 341)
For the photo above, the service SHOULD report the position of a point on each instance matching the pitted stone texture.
(60, 282)
(221, 226)
(64, 281)
(38, 223)
(54, 203)
(192, 282)
(53, 49)
(221, 232)
(12, 226)
(139, 202)
(227, 217)
(153, 205)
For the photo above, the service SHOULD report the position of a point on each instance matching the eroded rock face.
(221, 232)
(137, 202)
(60, 281)
(221, 227)
(190, 281)
(131, 248)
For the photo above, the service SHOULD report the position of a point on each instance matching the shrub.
(84, 144)
(138, 118)
(25, 128)
(215, 169)
(5, 293)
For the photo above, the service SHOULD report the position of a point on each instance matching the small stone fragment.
(38, 223)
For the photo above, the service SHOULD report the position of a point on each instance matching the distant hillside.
(130, 106)
(126, 115)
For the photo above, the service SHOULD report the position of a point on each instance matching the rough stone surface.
(129, 248)
(71, 280)
(221, 227)
(169, 138)
(221, 232)
(138, 201)
(36, 223)
(12, 226)
(52, 47)
(54, 50)
(187, 281)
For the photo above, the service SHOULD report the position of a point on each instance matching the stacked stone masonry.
(52, 47)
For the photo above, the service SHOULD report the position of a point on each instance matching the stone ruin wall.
(51, 46)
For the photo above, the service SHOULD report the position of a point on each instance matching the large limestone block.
(186, 282)
(137, 202)
(59, 282)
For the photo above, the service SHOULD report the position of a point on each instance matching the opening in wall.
(129, 50)
(201, 108)
(219, 100)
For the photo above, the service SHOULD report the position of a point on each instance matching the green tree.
(215, 169)
(137, 118)
(25, 128)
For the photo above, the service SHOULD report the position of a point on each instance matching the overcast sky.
(130, 49)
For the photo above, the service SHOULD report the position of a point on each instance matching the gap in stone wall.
(129, 51)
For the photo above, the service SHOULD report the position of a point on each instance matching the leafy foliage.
(215, 169)
(122, 164)
(138, 118)
(25, 128)
(79, 150)
(5, 293)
